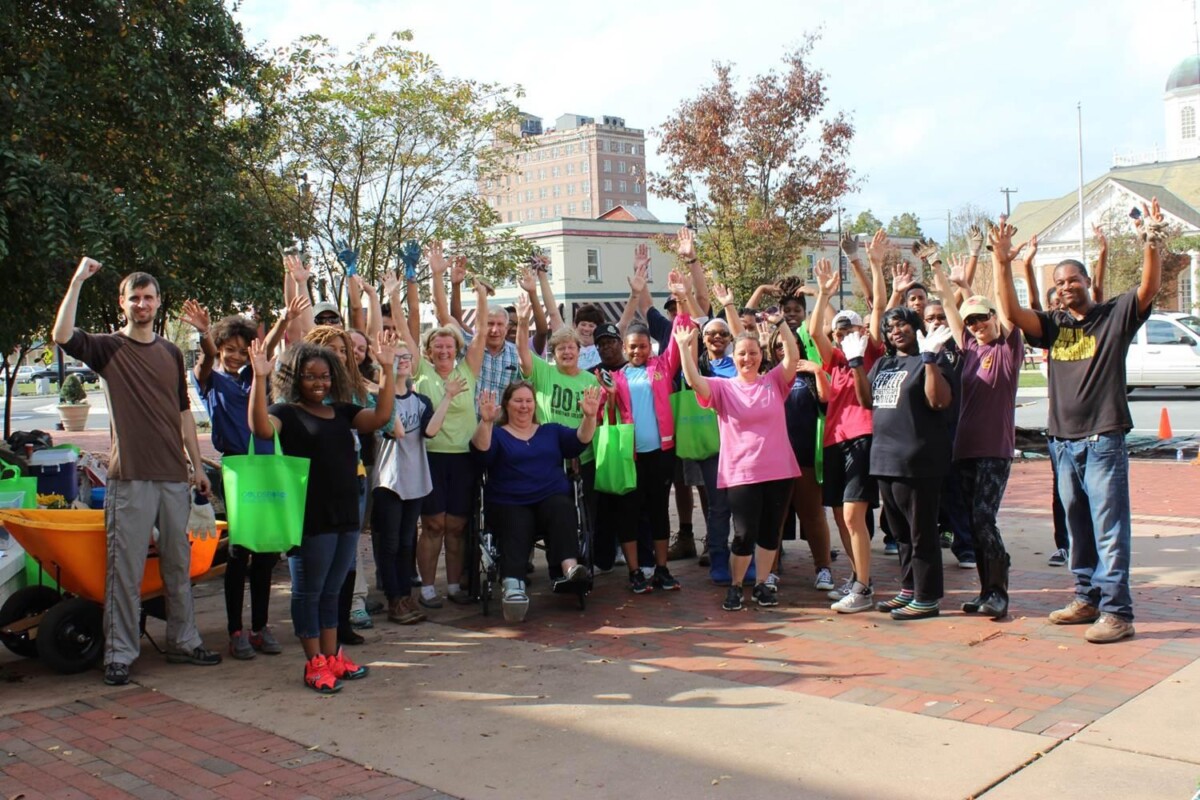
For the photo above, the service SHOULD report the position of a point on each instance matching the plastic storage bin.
(54, 469)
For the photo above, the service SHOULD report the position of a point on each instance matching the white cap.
(846, 317)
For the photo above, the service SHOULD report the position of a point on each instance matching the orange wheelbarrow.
(66, 629)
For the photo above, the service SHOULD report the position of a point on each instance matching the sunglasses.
(328, 319)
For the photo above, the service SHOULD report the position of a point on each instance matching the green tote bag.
(264, 499)
(616, 472)
(15, 491)
(696, 434)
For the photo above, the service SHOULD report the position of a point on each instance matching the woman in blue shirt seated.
(527, 496)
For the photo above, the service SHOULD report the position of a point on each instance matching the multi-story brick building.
(579, 168)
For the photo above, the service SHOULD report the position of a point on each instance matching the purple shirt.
(987, 418)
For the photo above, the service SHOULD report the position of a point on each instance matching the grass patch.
(1030, 379)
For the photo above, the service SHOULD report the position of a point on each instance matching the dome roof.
(1185, 75)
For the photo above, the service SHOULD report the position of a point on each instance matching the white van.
(1165, 352)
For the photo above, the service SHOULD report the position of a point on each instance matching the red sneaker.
(319, 675)
(345, 669)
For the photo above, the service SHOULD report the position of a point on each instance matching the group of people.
(811, 410)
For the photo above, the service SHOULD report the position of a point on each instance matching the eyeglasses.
(714, 334)
(405, 357)
(326, 378)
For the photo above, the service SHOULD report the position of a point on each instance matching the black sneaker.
(733, 599)
(116, 674)
(663, 579)
(198, 656)
(763, 595)
(638, 583)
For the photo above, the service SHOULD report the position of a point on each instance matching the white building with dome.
(1170, 173)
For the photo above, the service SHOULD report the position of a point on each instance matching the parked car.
(85, 373)
(1165, 352)
(24, 374)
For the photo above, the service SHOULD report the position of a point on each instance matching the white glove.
(934, 342)
(202, 521)
(854, 345)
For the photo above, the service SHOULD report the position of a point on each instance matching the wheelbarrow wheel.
(32, 601)
(71, 636)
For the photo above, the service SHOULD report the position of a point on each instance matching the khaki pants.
(131, 510)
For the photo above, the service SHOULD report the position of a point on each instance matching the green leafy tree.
(866, 223)
(389, 149)
(906, 224)
(761, 169)
(127, 129)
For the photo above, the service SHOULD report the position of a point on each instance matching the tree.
(866, 223)
(762, 170)
(906, 225)
(127, 126)
(389, 149)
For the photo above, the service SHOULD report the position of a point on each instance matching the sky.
(950, 101)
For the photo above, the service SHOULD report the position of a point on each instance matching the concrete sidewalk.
(667, 696)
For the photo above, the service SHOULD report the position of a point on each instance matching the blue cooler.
(54, 469)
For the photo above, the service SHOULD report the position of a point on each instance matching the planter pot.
(74, 417)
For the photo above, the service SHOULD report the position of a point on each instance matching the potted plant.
(72, 404)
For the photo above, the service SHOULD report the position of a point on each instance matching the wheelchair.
(484, 568)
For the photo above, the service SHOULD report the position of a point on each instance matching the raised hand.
(927, 251)
(347, 257)
(384, 350)
(524, 310)
(527, 280)
(935, 340)
(686, 336)
(975, 239)
(489, 408)
(437, 261)
(590, 400)
(828, 279)
(958, 271)
(637, 281)
(641, 257)
(854, 345)
(811, 367)
(1000, 240)
(484, 286)
(676, 285)
(458, 269)
(849, 245)
(685, 243)
(391, 283)
(539, 261)
(1098, 233)
(296, 307)
(297, 268)
(410, 256)
(878, 248)
(1155, 229)
(1032, 249)
(454, 386)
(87, 268)
(765, 329)
(354, 288)
(902, 277)
(723, 295)
(260, 361)
(195, 315)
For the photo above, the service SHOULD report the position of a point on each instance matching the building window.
(811, 260)
(558, 211)
(542, 193)
(1022, 291)
(541, 174)
(587, 206)
(608, 204)
(637, 187)
(608, 184)
(607, 167)
(554, 152)
(585, 187)
(593, 266)
(622, 187)
(1186, 290)
(570, 189)
(571, 168)
(528, 175)
(584, 167)
(557, 190)
(622, 167)
(1187, 123)
(542, 213)
(571, 208)
(556, 172)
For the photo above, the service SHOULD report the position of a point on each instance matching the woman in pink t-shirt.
(755, 469)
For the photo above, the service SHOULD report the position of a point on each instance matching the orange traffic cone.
(1164, 425)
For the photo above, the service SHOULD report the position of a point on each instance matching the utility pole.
(841, 263)
(1008, 200)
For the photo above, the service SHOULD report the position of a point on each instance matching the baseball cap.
(606, 331)
(977, 305)
(847, 319)
(326, 308)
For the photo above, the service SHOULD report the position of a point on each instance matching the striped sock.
(916, 610)
(899, 601)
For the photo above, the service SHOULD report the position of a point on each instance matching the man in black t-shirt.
(1089, 418)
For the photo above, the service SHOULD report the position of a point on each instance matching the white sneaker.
(854, 602)
(824, 581)
(619, 561)
(648, 572)
(841, 591)
(772, 582)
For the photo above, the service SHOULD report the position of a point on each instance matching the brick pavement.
(140, 743)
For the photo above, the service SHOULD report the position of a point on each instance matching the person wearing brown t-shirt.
(151, 426)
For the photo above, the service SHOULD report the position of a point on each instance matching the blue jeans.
(719, 513)
(317, 575)
(1093, 482)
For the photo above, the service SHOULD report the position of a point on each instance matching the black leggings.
(655, 471)
(517, 527)
(394, 530)
(758, 510)
(911, 508)
(258, 566)
(982, 482)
